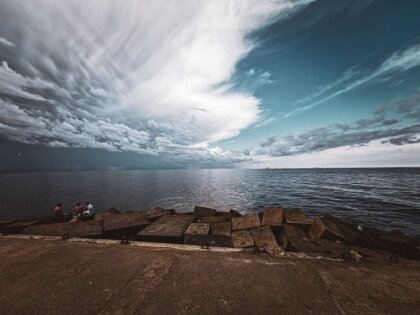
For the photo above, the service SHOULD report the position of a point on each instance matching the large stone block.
(7, 222)
(212, 220)
(19, 226)
(91, 229)
(289, 234)
(201, 212)
(273, 216)
(168, 228)
(124, 224)
(328, 230)
(197, 234)
(320, 247)
(154, 213)
(112, 210)
(242, 239)
(220, 234)
(229, 215)
(397, 242)
(222, 229)
(265, 240)
(297, 218)
(355, 236)
(246, 222)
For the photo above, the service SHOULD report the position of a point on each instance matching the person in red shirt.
(58, 210)
(77, 210)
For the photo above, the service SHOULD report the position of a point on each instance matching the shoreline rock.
(272, 231)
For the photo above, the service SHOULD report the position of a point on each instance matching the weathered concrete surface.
(242, 239)
(215, 219)
(60, 277)
(7, 222)
(222, 229)
(246, 222)
(358, 237)
(201, 212)
(397, 242)
(155, 213)
(289, 234)
(19, 226)
(169, 229)
(273, 216)
(124, 224)
(91, 228)
(220, 234)
(296, 217)
(197, 234)
(328, 230)
(265, 240)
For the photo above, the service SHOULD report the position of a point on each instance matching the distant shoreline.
(233, 168)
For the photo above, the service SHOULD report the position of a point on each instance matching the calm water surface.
(386, 198)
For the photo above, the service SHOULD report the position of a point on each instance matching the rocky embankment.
(274, 231)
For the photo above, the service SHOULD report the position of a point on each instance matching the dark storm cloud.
(401, 130)
(409, 139)
(339, 135)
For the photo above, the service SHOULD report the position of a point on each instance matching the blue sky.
(271, 83)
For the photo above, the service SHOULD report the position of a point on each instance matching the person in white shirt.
(89, 209)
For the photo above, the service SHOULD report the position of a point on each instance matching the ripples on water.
(386, 198)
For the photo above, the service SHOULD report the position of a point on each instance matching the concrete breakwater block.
(168, 228)
(19, 226)
(297, 218)
(289, 234)
(273, 216)
(201, 212)
(222, 229)
(229, 214)
(246, 222)
(124, 224)
(320, 247)
(328, 230)
(7, 222)
(399, 243)
(265, 240)
(357, 237)
(112, 210)
(154, 213)
(197, 234)
(242, 239)
(56, 219)
(220, 234)
(212, 220)
(91, 229)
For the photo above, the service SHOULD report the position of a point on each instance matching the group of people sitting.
(78, 209)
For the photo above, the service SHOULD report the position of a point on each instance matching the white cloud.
(5, 42)
(374, 154)
(135, 71)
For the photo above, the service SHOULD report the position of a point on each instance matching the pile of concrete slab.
(274, 231)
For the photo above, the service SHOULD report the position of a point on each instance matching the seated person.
(58, 210)
(77, 210)
(88, 209)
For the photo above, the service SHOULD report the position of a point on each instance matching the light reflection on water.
(386, 198)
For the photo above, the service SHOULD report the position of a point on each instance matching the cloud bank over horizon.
(151, 78)
(211, 83)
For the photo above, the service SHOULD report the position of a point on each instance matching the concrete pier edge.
(183, 247)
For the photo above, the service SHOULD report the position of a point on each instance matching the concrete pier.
(71, 277)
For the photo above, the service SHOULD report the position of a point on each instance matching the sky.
(209, 84)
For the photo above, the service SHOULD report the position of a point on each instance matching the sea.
(386, 198)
